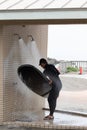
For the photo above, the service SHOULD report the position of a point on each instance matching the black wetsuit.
(53, 75)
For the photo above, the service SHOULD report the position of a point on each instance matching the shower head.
(32, 39)
(17, 35)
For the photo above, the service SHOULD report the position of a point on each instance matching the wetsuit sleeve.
(55, 70)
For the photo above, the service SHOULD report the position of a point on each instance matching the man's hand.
(50, 82)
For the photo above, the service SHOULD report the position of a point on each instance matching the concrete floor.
(61, 121)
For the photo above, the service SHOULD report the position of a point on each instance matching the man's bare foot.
(49, 117)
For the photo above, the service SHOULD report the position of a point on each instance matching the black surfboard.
(34, 79)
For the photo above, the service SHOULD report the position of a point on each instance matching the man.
(54, 80)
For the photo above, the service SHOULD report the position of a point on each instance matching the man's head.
(42, 62)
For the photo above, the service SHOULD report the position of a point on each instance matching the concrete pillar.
(14, 104)
(1, 76)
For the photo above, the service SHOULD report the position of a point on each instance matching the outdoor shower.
(28, 50)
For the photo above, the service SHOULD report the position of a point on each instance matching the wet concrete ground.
(18, 128)
(61, 121)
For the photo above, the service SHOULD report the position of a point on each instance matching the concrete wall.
(16, 100)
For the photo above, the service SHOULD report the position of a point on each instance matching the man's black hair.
(42, 60)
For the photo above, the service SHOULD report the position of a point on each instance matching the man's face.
(42, 65)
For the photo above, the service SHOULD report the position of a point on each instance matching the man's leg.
(52, 103)
(52, 98)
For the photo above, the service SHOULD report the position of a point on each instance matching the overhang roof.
(43, 10)
(41, 4)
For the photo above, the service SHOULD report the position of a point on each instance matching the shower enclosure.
(19, 45)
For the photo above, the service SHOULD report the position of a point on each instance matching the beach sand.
(73, 96)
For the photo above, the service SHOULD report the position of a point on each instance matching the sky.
(67, 42)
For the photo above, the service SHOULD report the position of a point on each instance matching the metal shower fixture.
(32, 39)
(17, 35)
